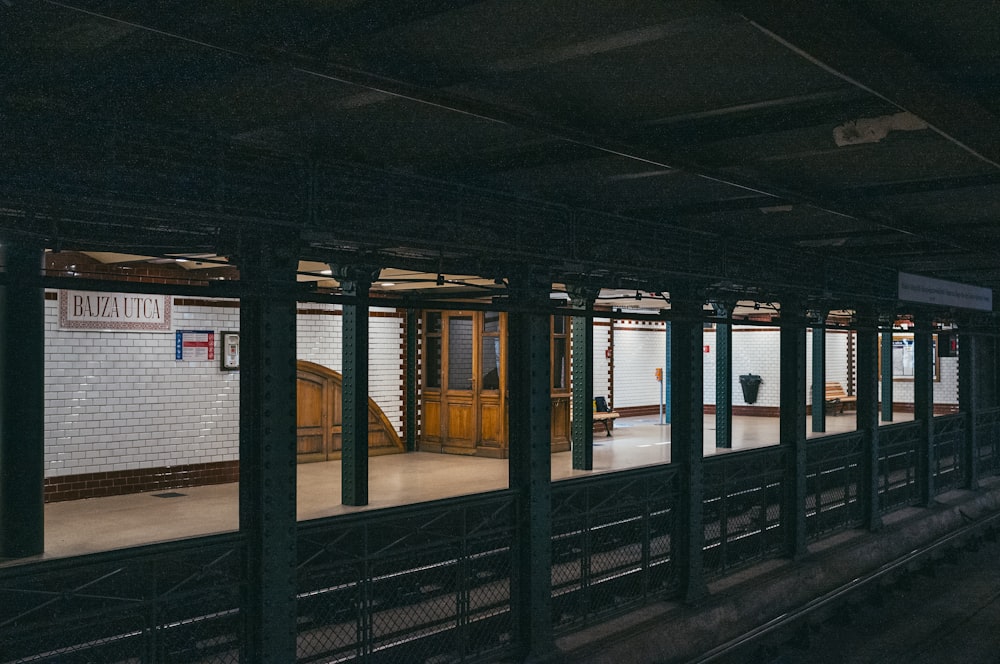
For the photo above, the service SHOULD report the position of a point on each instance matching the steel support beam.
(792, 424)
(923, 405)
(886, 368)
(969, 390)
(819, 372)
(412, 407)
(355, 282)
(22, 402)
(529, 381)
(582, 298)
(686, 440)
(724, 378)
(668, 377)
(868, 417)
(267, 262)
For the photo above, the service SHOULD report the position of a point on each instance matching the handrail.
(17, 568)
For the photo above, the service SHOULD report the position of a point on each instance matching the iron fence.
(988, 433)
(742, 512)
(833, 479)
(611, 543)
(420, 583)
(168, 603)
(432, 582)
(949, 434)
(897, 465)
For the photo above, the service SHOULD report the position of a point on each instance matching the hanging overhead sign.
(130, 312)
(927, 290)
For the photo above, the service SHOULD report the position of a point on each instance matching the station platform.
(100, 524)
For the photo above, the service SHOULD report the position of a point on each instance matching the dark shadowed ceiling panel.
(767, 142)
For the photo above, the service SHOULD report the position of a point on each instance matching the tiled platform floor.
(98, 524)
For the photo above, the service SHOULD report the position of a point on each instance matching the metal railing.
(408, 584)
(611, 543)
(833, 478)
(949, 434)
(742, 511)
(176, 602)
(988, 432)
(897, 465)
(433, 581)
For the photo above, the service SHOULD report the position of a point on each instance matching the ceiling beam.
(614, 142)
(838, 38)
(882, 190)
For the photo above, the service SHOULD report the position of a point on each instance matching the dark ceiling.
(744, 145)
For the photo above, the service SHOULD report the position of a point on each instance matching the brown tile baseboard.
(637, 411)
(139, 480)
(750, 411)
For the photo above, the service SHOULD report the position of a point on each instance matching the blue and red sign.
(195, 345)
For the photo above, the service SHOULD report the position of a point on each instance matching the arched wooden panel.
(311, 416)
(319, 417)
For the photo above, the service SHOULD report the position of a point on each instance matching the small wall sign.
(195, 345)
(230, 357)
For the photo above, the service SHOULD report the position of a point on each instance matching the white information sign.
(915, 288)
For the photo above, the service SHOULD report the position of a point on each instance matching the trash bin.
(750, 384)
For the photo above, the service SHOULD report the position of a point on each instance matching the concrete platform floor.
(99, 524)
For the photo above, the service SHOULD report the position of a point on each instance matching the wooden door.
(459, 403)
(492, 384)
(562, 394)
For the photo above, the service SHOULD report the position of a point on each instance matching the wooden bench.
(602, 413)
(837, 398)
(606, 418)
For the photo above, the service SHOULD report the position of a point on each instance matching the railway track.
(939, 603)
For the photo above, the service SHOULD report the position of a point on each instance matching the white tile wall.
(119, 400)
(319, 341)
(757, 350)
(640, 347)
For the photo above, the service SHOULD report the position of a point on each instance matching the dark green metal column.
(687, 439)
(923, 406)
(582, 298)
(267, 263)
(793, 424)
(22, 402)
(667, 380)
(529, 422)
(867, 415)
(886, 369)
(355, 282)
(819, 371)
(724, 376)
(968, 402)
(412, 407)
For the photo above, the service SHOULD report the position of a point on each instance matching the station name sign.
(126, 312)
(915, 288)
